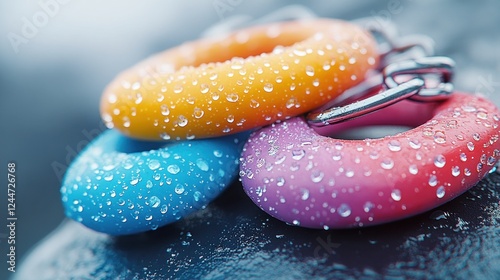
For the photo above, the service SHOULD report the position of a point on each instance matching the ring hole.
(432, 80)
(370, 132)
(396, 118)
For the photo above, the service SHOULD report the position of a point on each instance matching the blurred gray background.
(52, 76)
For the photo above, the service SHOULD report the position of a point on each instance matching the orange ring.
(248, 79)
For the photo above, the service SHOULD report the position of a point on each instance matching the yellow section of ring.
(250, 78)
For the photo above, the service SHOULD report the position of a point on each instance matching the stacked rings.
(266, 76)
(204, 89)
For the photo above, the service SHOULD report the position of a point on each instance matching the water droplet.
(108, 177)
(304, 194)
(413, 169)
(164, 110)
(463, 157)
(164, 209)
(134, 181)
(396, 195)
(280, 159)
(298, 154)
(178, 88)
(218, 153)
(468, 108)
(467, 172)
(296, 222)
(440, 192)
(373, 155)
(299, 52)
(126, 122)
(182, 121)
(415, 144)
(173, 169)
(149, 184)
(154, 201)
(344, 210)
(455, 171)
(326, 66)
(164, 136)
(368, 206)
(349, 173)
(452, 123)
(204, 88)
(280, 181)
(153, 164)
(198, 113)
(491, 161)
(482, 115)
(337, 155)
(268, 87)
(476, 136)
(138, 98)
(197, 195)
(387, 163)
(439, 161)
(433, 180)
(309, 71)
(479, 167)
(179, 189)
(439, 137)
(317, 176)
(470, 146)
(149, 218)
(232, 97)
(394, 145)
(291, 103)
(202, 165)
(254, 103)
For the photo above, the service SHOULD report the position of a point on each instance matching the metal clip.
(417, 85)
(439, 66)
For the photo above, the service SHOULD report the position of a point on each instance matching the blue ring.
(120, 186)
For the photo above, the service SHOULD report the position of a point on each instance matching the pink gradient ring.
(298, 175)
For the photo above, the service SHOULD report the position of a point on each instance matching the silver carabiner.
(440, 66)
(414, 87)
